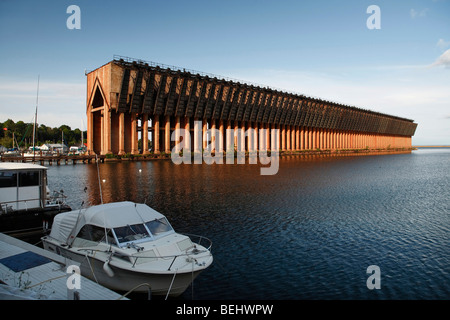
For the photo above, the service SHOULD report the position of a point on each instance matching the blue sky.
(318, 48)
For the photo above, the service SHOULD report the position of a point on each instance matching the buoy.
(108, 269)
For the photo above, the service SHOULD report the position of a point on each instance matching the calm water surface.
(308, 232)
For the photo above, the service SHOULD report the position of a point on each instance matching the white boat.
(26, 206)
(127, 246)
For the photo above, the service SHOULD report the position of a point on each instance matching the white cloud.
(422, 13)
(443, 60)
(443, 44)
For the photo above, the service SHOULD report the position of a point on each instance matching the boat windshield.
(131, 233)
(142, 232)
(159, 226)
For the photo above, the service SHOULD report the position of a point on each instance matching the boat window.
(8, 179)
(28, 178)
(131, 233)
(93, 235)
(159, 226)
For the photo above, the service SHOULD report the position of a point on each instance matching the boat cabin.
(22, 186)
(125, 224)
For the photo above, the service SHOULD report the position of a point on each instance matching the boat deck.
(30, 272)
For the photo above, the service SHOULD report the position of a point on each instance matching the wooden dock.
(28, 272)
(54, 159)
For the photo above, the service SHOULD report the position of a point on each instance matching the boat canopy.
(106, 216)
(4, 166)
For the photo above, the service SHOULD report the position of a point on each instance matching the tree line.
(21, 134)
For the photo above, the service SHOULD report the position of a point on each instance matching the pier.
(28, 272)
(131, 99)
(54, 159)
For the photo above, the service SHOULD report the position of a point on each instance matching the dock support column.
(107, 130)
(288, 138)
(177, 134)
(255, 135)
(187, 134)
(156, 135)
(167, 134)
(134, 134)
(121, 134)
(90, 131)
(221, 136)
(243, 147)
(145, 134)
(197, 134)
(262, 138)
(213, 136)
(204, 134)
(321, 139)
(302, 138)
(314, 139)
(229, 141)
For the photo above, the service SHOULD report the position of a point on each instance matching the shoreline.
(167, 156)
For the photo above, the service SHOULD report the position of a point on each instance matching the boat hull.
(124, 280)
(24, 224)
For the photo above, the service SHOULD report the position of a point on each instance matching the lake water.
(308, 232)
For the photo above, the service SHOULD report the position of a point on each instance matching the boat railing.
(8, 206)
(196, 240)
(57, 198)
(200, 240)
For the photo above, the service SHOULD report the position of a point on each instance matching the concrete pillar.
(229, 141)
(275, 138)
(90, 131)
(288, 138)
(187, 134)
(329, 140)
(145, 134)
(204, 134)
(177, 134)
(156, 135)
(235, 136)
(107, 130)
(221, 137)
(336, 141)
(314, 139)
(102, 133)
(197, 135)
(331, 132)
(293, 138)
(302, 138)
(134, 134)
(321, 139)
(167, 134)
(255, 137)
(243, 148)
(283, 138)
(309, 138)
(213, 135)
(121, 133)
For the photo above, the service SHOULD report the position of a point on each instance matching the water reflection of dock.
(52, 159)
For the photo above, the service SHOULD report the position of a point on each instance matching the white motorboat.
(128, 246)
(26, 206)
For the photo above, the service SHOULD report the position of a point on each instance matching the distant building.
(54, 148)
